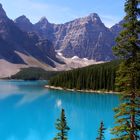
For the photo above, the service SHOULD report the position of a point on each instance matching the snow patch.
(75, 57)
(60, 54)
(85, 59)
(95, 19)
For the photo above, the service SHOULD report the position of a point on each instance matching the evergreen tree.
(101, 132)
(128, 49)
(96, 77)
(61, 126)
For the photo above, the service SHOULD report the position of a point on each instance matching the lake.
(28, 111)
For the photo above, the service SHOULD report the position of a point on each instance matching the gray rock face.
(24, 23)
(45, 29)
(117, 28)
(2, 12)
(13, 39)
(84, 37)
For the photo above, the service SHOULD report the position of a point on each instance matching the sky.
(61, 11)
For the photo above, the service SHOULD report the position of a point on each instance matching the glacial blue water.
(28, 111)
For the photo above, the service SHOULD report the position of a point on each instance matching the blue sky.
(61, 11)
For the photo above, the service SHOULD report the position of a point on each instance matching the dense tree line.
(95, 77)
(34, 74)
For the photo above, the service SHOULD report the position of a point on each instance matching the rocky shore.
(86, 91)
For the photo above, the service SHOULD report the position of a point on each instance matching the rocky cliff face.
(45, 29)
(24, 23)
(23, 44)
(84, 37)
(117, 28)
(13, 39)
(2, 12)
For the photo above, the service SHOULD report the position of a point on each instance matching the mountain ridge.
(14, 39)
(23, 44)
(85, 37)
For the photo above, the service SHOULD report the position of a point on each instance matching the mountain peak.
(2, 12)
(95, 18)
(43, 23)
(23, 19)
(24, 23)
(94, 15)
(44, 20)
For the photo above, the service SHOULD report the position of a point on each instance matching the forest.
(95, 77)
(34, 74)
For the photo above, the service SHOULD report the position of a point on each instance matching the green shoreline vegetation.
(34, 74)
(100, 77)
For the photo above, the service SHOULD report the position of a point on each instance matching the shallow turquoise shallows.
(28, 111)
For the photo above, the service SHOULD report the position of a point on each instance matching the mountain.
(24, 23)
(2, 12)
(77, 43)
(117, 28)
(13, 40)
(84, 37)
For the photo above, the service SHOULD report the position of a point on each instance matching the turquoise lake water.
(28, 111)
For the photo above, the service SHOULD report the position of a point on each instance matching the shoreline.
(82, 91)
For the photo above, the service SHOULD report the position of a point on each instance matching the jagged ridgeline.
(95, 77)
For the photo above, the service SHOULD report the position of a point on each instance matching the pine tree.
(128, 49)
(101, 132)
(61, 126)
